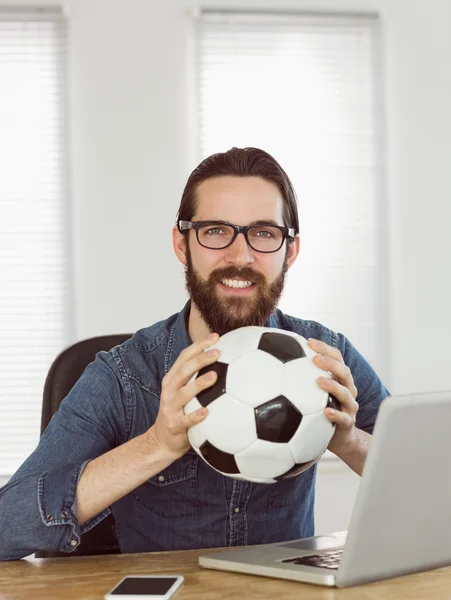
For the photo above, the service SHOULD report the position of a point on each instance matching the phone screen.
(144, 586)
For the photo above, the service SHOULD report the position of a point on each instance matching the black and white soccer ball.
(266, 416)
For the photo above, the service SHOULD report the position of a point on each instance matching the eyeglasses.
(217, 235)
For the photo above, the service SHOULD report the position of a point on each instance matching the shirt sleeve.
(37, 505)
(370, 389)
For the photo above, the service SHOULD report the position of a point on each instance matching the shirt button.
(64, 514)
(49, 517)
(161, 478)
(73, 542)
(236, 509)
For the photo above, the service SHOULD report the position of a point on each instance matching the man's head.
(243, 186)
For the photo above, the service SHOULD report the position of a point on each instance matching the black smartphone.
(145, 587)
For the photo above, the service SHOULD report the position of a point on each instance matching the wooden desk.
(89, 578)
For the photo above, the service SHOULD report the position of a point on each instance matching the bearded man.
(118, 443)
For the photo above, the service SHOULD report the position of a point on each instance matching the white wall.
(132, 148)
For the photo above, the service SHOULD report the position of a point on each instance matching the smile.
(236, 283)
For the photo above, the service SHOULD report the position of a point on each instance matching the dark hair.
(241, 162)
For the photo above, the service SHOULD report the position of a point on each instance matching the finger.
(323, 348)
(194, 418)
(340, 418)
(184, 422)
(191, 390)
(340, 392)
(187, 354)
(186, 371)
(190, 352)
(341, 371)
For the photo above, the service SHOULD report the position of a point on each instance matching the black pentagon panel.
(218, 459)
(218, 388)
(297, 470)
(277, 420)
(283, 347)
(332, 402)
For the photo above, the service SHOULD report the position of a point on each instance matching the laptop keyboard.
(327, 559)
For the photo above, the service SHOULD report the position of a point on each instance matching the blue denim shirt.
(188, 504)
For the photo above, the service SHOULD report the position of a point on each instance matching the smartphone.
(145, 587)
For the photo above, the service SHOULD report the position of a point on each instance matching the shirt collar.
(273, 320)
(179, 338)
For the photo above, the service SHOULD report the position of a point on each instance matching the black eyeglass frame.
(287, 232)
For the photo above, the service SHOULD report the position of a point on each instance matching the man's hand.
(342, 387)
(116, 473)
(169, 432)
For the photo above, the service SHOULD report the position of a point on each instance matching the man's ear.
(179, 243)
(293, 251)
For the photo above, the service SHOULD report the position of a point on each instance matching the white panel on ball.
(301, 386)
(230, 424)
(232, 344)
(265, 460)
(311, 438)
(192, 406)
(254, 479)
(196, 436)
(255, 378)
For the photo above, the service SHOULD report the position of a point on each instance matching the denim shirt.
(188, 504)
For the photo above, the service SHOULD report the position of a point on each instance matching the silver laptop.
(401, 522)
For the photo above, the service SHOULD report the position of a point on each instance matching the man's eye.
(215, 231)
(264, 233)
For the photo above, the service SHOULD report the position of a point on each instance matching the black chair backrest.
(65, 371)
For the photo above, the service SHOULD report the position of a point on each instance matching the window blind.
(306, 88)
(32, 215)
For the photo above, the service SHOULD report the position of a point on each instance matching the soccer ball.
(266, 410)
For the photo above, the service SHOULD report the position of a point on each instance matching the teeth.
(234, 283)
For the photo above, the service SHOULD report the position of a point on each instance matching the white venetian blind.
(306, 89)
(32, 210)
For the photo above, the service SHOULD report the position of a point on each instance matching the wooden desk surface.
(89, 578)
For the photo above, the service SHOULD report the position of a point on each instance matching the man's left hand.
(342, 387)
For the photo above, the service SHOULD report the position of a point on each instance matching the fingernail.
(212, 336)
(325, 381)
(320, 358)
(212, 353)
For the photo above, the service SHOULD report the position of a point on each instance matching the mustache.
(231, 272)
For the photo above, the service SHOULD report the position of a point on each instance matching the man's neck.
(197, 328)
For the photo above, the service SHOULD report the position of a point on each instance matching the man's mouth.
(237, 283)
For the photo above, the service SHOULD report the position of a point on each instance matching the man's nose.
(239, 252)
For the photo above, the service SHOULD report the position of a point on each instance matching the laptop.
(401, 519)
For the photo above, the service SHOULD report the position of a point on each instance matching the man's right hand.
(116, 473)
(169, 432)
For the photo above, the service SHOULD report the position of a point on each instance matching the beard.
(221, 314)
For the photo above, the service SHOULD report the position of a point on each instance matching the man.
(119, 440)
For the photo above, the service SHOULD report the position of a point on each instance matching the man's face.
(209, 273)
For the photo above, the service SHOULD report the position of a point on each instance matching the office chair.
(65, 371)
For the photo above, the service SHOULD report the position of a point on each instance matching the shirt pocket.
(173, 492)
